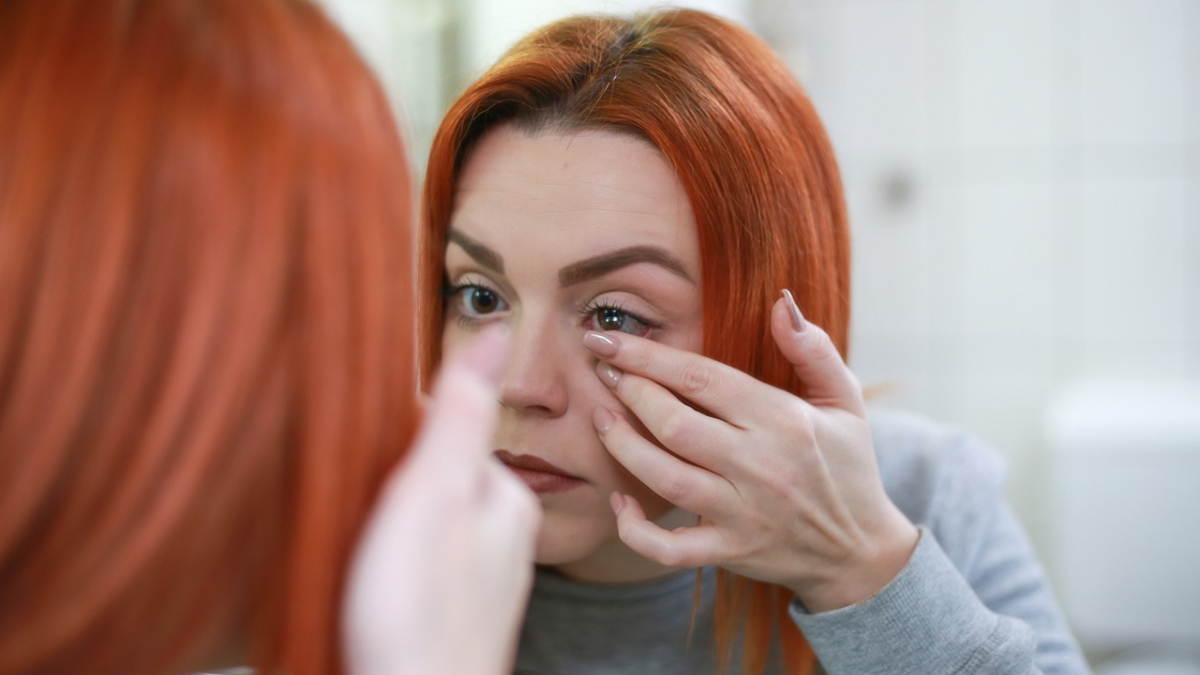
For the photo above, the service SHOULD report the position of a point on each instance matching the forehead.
(572, 194)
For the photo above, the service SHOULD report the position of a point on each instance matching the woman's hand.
(787, 490)
(442, 574)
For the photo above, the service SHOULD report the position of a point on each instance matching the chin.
(561, 542)
(555, 549)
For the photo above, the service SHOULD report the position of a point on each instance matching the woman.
(629, 197)
(206, 362)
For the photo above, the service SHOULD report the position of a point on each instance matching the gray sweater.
(973, 598)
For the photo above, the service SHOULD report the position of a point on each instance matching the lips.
(541, 476)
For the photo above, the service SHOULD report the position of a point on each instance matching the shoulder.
(936, 474)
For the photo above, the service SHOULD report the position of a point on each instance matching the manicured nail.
(601, 344)
(609, 373)
(798, 322)
(603, 420)
(616, 502)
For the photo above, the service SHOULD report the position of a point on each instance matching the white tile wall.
(1008, 260)
(1132, 56)
(1055, 151)
(1134, 257)
(1192, 267)
(944, 112)
(1006, 88)
(1191, 58)
(999, 414)
(886, 88)
(894, 370)
(894, 248)
(1146, 357)
(1066, 66)
(400, 41)
(946, 205)
(818, 57)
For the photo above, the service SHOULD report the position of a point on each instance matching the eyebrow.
(584, 270)
(480, 252)
(606, 263)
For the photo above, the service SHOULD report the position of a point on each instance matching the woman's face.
(556, 234)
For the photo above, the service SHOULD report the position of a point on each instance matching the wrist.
(872, 569)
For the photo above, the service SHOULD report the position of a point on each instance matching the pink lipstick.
(541, 476)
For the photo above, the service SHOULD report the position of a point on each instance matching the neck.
(615, 563)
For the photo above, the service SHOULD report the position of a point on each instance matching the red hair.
(757, 167)
(205, 338)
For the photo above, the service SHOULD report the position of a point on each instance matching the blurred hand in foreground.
(442, 574)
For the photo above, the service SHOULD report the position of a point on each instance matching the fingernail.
(603, 420)
(609, 374)
(798, 322)
(616, 502)
(600, 344)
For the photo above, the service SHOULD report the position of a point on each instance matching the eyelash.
(597, 305)
(589, 310)
(451, 291)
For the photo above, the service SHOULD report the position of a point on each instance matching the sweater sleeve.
(972, 599)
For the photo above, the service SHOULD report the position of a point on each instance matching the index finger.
(720, 390)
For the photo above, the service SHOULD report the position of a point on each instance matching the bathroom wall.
(1024, 185)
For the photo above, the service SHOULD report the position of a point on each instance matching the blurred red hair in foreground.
(205, 330)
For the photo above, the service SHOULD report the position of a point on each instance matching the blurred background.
(1024, 187)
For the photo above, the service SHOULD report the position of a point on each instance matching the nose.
(533, 381)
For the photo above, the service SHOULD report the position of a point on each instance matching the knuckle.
(673, 487)
(675, 430)
(696, 379)
(824, 353)
(673, 556)
(798, 421)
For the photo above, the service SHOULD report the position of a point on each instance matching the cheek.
(689, 337)
(654, 506)
(452, 337)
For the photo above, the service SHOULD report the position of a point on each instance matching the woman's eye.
(611, 318)
(479, 301)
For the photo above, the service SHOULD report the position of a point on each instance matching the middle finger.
(685, 485)
(689, 433)
(723, 391)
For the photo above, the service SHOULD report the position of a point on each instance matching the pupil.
(610, 318)
(483, 301)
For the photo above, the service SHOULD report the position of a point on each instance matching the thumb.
(811, 352)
